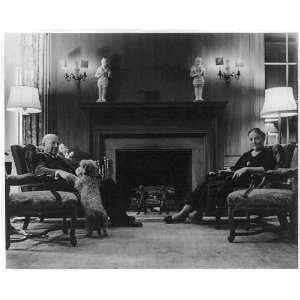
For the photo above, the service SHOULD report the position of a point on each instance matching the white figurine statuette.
(104, 74)
(198, 74)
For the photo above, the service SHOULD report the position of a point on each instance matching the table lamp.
(24, 100)
(279, 103)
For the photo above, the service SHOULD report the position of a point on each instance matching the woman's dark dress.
(264, 159)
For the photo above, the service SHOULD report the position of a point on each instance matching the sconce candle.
(79, 72)
(227, 75)
(84, 64)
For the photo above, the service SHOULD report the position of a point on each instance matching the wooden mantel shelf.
(210, 105)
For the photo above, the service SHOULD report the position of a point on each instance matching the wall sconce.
(79, 73)
(227, 75)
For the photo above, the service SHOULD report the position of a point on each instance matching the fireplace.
(150, 146)
(158, 136)
(169, 168)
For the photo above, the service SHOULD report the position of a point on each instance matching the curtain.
(35, 72)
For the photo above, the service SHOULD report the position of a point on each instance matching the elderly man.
(63, 171)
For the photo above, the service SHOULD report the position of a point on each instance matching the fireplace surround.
(177, 126)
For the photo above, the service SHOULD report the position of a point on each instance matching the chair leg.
(7, 218)
(247, 225)
(218, 217)
(231, 225)
(26, 223)
(293, 226)
(282, 218)
(73, 227)
(64, 225)
(7, 232)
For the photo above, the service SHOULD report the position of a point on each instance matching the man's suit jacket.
(46, 164)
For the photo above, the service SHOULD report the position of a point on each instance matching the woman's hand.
(238, 173)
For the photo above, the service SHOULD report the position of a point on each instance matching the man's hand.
(68, 177)
(237, 174)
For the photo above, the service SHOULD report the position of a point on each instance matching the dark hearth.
(152, 197)
(154, 168)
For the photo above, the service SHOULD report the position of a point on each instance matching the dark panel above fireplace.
(158, 122)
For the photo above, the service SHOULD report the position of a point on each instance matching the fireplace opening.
(155, 170)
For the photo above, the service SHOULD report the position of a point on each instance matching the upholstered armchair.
(37, 198)
(275, 195)
(286, 157)
(47, 203)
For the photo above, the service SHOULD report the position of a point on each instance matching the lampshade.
(279, 102)
(24, 99)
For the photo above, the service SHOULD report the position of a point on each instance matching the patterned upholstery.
(42, 201)
(260, 198)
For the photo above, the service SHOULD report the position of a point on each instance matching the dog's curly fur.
(88, 186)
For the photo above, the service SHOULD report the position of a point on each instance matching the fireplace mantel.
(123, 106)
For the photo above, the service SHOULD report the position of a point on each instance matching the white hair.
(47, 136)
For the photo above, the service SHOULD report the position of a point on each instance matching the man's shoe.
(127, 222)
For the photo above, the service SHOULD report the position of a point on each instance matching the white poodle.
(88, 186)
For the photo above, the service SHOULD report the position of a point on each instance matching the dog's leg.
(105, 225)
(104, 231)
(98, 224)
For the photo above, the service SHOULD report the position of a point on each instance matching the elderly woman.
(258, 159)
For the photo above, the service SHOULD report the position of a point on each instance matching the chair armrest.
(282, 177)
(30, 179)
(27, 179)
(282, 173)
(285, 176)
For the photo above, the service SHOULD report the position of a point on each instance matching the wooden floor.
(157, 245)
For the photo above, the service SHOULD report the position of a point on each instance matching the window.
(281, 60)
